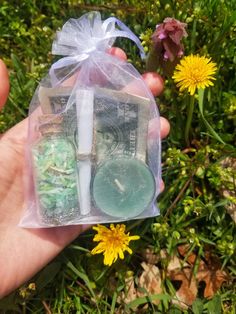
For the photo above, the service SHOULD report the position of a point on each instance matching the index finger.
(4, 84)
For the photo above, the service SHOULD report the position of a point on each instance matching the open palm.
(23, 252)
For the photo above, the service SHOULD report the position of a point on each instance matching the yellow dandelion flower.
(194, 72)
(113, 242)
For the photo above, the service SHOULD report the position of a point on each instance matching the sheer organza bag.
(93, 150)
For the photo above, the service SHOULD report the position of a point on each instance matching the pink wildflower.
(167, 39)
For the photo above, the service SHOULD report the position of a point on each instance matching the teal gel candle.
(123, 187)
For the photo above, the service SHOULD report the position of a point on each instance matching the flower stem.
(213, 133)
(189, 120)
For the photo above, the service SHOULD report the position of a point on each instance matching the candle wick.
(119, 185)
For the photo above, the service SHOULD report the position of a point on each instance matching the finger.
(114, 51)
(162, 186)
(165, 127)
(4, 84)
(70, 81)
(18, 133)
(155, 82)
(117, 52)
(153, 128)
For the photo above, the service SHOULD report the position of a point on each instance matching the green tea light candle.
(123, 187)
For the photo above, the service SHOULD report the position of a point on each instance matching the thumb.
(4, 84)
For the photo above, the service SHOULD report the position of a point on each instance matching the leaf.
(149, 281)
(228, 185)
(209, 271)
(150, 257)
(214, 306)
(113, 303)
(209, 127)
(18, 66)
(152, 298)
(212, 274)
(47, 275)
(187, 293)
(148, 287)
(197, 306)
(130, 293)
(9, 303)
(175, 311)
(175, 263)
(186, 251)
(79, 248)
(82, 276)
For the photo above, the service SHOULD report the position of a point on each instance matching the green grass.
(193, 209)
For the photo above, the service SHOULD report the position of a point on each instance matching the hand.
(23, 252)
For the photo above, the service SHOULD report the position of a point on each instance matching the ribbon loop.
(80, 38)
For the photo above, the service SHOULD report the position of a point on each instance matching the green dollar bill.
(60, 100)
(120, 120)
(121, 124)
(54, 100)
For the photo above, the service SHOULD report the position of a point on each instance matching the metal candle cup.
(123, 187)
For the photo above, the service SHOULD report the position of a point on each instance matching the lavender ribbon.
(80, 38)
